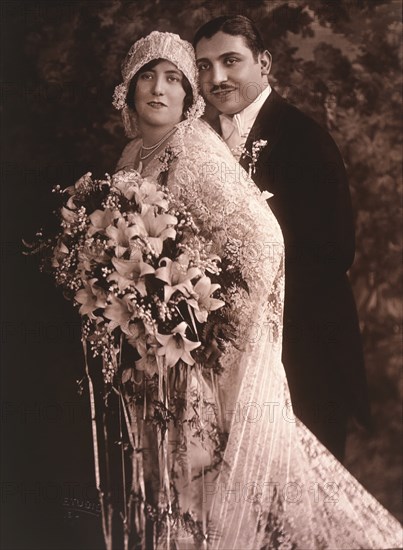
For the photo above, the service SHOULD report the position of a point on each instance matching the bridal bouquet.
(131, 258)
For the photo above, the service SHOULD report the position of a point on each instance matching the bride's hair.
(187, 102)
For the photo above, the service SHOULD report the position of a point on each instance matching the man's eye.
(231, 60)
(202, 66)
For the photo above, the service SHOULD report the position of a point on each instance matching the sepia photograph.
(201, 313)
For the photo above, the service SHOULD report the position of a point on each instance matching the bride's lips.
(156, 104)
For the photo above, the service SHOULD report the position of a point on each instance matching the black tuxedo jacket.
(322, 352)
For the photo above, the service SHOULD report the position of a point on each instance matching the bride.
(275, 486)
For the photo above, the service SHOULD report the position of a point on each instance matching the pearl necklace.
(154, 147)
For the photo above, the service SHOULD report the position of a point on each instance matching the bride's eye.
(146, 76)
(173, 78)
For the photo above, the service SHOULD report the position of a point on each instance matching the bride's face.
(159, 95)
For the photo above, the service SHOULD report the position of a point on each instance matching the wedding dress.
(277, 486)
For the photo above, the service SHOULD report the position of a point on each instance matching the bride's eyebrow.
(173, 71)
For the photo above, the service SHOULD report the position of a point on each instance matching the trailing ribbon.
(106, 528)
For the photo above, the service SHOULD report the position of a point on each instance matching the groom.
(303, 168)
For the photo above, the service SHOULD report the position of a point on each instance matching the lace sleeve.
(232, 212)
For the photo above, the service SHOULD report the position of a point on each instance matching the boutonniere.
(257, 147)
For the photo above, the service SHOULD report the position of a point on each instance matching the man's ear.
(265, 62)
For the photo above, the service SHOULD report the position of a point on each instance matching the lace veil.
(278, 486)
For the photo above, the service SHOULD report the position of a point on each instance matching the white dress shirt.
(235, 128)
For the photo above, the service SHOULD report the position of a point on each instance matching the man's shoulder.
(294, 125)
(294, 115)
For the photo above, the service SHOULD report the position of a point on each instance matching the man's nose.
(218, 74)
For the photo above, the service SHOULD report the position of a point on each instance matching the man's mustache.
(221, 88)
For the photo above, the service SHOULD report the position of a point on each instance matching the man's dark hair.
(187, 102)
(235, 25)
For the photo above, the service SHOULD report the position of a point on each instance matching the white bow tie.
(235, 129)
(232, 133)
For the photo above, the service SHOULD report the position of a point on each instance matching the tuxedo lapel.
(267, 126)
